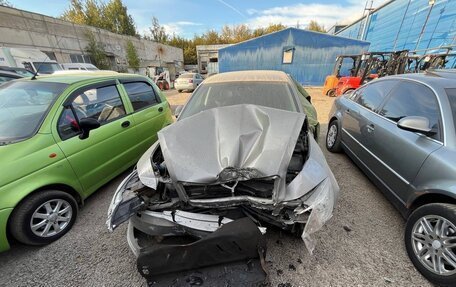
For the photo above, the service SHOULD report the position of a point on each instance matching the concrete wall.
(20, 28)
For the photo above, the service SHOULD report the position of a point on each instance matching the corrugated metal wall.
(409, 24)
(314, 54)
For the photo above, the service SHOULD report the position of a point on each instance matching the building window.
(77, 58)
(50, 55)
(287, 57)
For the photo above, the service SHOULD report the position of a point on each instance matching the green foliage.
(6, 3)
(132, 56)
(96, 52)
(112, 16)
(157, 32)
(314, 26)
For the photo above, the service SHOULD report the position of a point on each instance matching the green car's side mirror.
(86, 125)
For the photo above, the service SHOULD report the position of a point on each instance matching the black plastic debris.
(230, 256)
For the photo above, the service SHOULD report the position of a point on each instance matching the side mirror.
(178, 110)
(416, 124)
(86, 125)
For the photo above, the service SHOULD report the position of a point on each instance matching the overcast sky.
(187, 17)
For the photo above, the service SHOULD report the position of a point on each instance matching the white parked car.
(79, 66)
(188, 81)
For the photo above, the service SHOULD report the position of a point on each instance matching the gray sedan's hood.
(237, 142)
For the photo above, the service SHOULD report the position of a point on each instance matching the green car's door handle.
(160, 109)
(125, 124)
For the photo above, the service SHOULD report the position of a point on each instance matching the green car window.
(103, 104)
(23, 107)
(141, 95)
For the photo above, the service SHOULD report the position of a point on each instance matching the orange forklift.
(348, 65)
(373, 65)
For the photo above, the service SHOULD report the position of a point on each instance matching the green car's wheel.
(43, 217)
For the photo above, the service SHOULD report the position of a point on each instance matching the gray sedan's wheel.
(333, 137)
(430, 239)
(43, 217)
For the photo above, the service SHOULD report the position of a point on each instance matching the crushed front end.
(220, 168)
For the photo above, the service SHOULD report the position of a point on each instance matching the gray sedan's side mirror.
(178, 110)
(415, 124)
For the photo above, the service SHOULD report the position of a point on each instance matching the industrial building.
(414, 25)
(65, 42)
(207, 57)
(307, 56)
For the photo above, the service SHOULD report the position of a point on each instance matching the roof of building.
(249, 76)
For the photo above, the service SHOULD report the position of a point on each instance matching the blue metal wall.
(409, 24)
(313, 58)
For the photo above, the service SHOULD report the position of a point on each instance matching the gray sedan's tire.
(430, 240)
(333, 137)
(179, 91)
(43, 217)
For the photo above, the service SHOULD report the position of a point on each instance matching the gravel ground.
(372, 253)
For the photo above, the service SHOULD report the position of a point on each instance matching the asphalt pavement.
(362, 245)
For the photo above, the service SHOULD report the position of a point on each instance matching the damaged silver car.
(241, 150)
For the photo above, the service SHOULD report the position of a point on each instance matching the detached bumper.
(4, 215)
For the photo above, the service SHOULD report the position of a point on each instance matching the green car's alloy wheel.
(430, 240)
(43, 217)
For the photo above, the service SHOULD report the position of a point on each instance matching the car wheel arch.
(61, 187)
(429, 197)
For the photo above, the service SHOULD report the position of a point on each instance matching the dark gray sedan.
(401, 131)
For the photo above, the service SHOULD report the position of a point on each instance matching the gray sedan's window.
(269, 94)
(452, 96)
(413, 99)
(372, 96)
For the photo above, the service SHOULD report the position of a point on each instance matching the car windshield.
(46, 68)
(23, 106)
(452, 96)
(269, 94)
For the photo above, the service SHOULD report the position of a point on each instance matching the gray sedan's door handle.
(370, 128)
(348, 111)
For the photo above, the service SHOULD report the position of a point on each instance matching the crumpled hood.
(250, 140)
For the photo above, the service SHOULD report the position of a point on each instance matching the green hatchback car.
(64, 136)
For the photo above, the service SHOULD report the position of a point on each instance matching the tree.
(157, 32)
(314, 26)
(120, 21)
(132, 56)
(6, 3)
(96, 52)
(112, 16)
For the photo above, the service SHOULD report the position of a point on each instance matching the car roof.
(249, 76)
(77, 76)
(443, 77)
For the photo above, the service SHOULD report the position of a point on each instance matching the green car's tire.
(43, 217)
